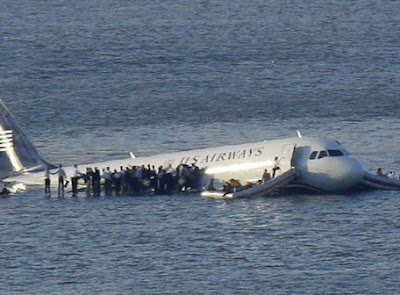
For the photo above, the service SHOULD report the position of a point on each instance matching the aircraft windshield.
(313, 155)
(335, 153)
(322, 154)
(329, 153)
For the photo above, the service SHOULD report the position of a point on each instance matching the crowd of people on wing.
(389, 174)
(129, 180)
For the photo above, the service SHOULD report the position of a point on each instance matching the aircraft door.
(286, 160)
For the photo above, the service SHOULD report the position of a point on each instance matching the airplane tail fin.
(17, 154)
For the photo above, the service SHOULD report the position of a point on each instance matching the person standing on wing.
(76, 174)
(47, 181)
(61, 178)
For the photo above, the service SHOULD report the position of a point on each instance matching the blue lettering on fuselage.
(221, 157)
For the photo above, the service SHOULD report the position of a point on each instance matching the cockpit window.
(335, 153)
(346, 153)
(322, 154)
(329, 153)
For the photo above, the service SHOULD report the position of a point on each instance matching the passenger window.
(335, 153)
(322, 154)
(313, 155)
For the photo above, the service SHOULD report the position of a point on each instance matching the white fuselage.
(332, 169)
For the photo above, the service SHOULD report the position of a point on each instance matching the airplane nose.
(348, 173)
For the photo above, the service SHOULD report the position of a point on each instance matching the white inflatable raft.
(255, 191)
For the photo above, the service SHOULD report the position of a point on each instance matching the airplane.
(316, 164)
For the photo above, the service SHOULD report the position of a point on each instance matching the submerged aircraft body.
(319, 164)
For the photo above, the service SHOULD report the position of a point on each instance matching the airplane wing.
(258, 190)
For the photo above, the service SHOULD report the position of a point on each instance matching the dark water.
(93, 80)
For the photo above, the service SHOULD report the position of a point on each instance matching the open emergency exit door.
(286, 159)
